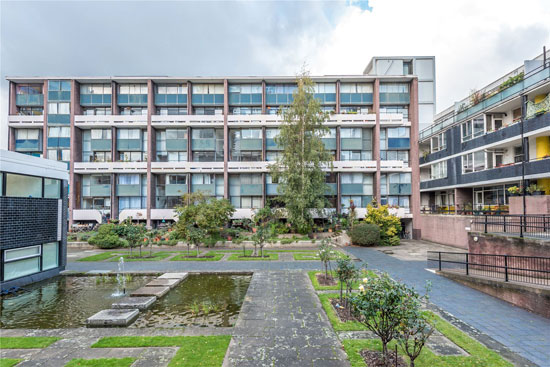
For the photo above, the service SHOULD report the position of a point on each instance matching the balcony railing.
(492, 97)
(532, 226)
(534, 109)
(467, 209)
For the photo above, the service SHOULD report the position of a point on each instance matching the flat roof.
(33, 166)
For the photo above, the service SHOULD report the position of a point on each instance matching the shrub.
(106, 238)
(389, 224)
(85, 236)
(365, 234)
(394, 241)
(71, 237)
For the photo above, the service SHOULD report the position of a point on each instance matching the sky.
(474, 42)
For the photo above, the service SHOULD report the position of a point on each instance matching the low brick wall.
(481, 243)
(537, 204)
(532, 298)
(446, 229)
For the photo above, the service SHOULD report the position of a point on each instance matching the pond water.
(63, 301)
(200, 300)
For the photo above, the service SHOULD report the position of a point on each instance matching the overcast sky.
(474, 41)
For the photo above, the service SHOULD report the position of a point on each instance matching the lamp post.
(523, 155)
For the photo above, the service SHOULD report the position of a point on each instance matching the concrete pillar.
(189, 141)
(264, 106)
(45, 126)
(76, 145)
(337, 110)
(463, 196)
(225, 139)
(13, 96)
(414, 156)
(338, 194)
(150, 149)
(189, 97)
(338, 146)
(264, 154)
(114, 98)
(114, 198)
(376, 140)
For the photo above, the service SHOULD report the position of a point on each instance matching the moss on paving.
(194, 351)
(27, 342)
(479, 355)
(101, 362)
(183, 257)
(9, 362)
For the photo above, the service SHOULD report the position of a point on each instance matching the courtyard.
(286, 318)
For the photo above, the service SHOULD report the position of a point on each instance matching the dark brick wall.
(27, 221)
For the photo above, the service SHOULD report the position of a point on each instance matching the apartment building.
(134, 146)
(473, 153)
(33, 218)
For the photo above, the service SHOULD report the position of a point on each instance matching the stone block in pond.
(180, 276)
(112, 317)
(163, 283)
(150, 291)
(140, 303)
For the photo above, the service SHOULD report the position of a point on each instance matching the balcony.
(110, 120)
(356, 98)
(176, 145)
(29, 100)
(101, 144)
(59, 119)
(203, 144)
(160, 214)
(353, 166)
(133, 145)
(95, 100)
(332, 189)
(26, 121)
(245, 99)
(176, 189)
(248, 166)
(88, 215)
(248, 144)
(110, 167)
(100, 190)
(128, 190)
(251, 189)
(330, 143)
(207, 99)
(183, 167)
(173, 121)
(60, 95)
(352, 189)
(395, 98)
(28, 145)
(171, 99)
(352, 119)
(207, 189)
(351, 143)
(132, 100)
(271, 189)
(270, 144)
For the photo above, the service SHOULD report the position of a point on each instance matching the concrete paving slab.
(140, 303)
(180, 276)
(112, 317)
(163, 283)
(150, 291)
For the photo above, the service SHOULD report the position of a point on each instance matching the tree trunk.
(188, 252)
(384, 352)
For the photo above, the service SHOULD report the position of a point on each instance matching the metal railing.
(533, 226)
(522, 269)
(465, 209)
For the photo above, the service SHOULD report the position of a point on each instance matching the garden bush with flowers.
(390, 225)
(392, 311)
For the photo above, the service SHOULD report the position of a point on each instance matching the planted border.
(27, 342)
(183, 257)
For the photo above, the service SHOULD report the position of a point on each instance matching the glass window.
(50, 255)
(52, 188)
(22, 261)
(23, 186)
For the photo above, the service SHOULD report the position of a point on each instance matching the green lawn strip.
(155, 256)
(479, 354)
(9, 362)
(195, 350)
(27, 342)
(267, 256)
(301, 256)
(319, 287)
(100, 257)
(333, 317)
(183, 257)
(102, 362)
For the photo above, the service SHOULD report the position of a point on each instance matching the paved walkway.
(282, 323)
(521, 331)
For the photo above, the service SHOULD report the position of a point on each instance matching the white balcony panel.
(354, 166)
(243, 213)
(253, 120)
(393, 119)
(26, 121)
(136, 214)
(88, 215)
(186, 120)
(248, 166)
(195, 167)
(397, 166)
(166, 214)
(110, 167)
(352, 119)
(110, 120)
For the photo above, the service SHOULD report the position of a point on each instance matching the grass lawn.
(319, 287)
(9, 362)
(333, 317)
(182, 257)
(195, 351)
(102, 362)
(479, 354)
(155, 256)
(100, 257)
(267, 256)
(27, 342)
(314, 255)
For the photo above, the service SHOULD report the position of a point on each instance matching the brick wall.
(446, 229)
